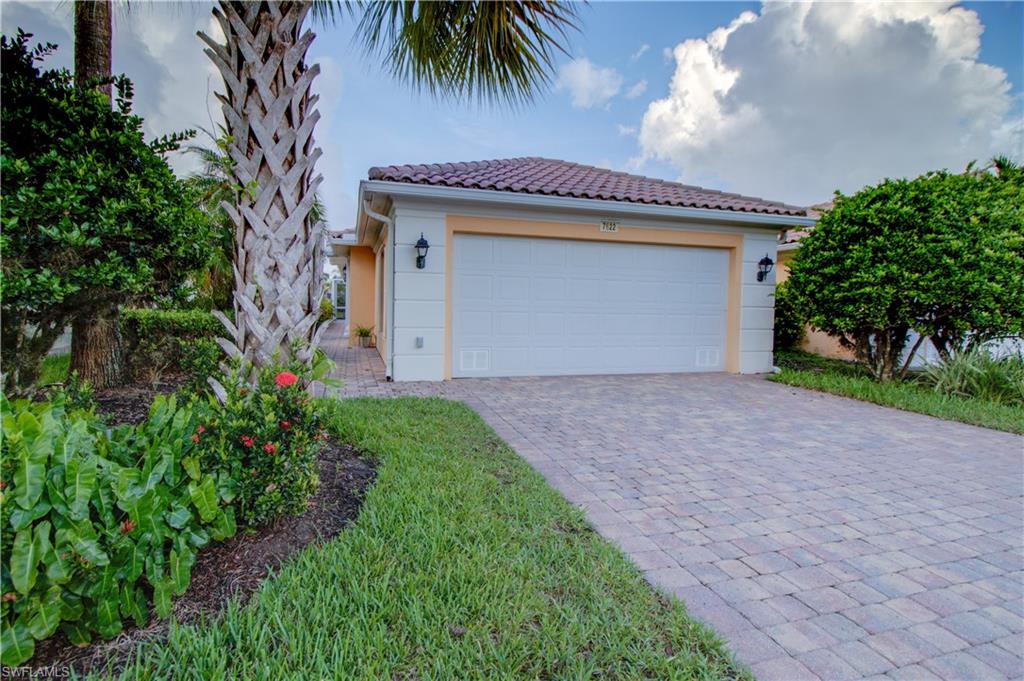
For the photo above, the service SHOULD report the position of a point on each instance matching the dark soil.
(130, 403)
(234, 568)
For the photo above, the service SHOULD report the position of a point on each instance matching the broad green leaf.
(16, 642)
(81, 482)
(58, 570)
(90, 550)
(77, 633)
(162, 597)
(45, 617)
(132, 559)
(24, 558)
(181, 570)
(133, 604)
(108, 620)
(225, 526)
(156, 474)
(71, 606)
(204, 496)
(126, 478)
(22, 518)
(179, 517)
(191, 466)
(29, 476)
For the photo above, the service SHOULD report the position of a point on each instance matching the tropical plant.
(979, 373)
(490, 50)
(93, 216)
(92, 523)
(941, 254)
(264, 435)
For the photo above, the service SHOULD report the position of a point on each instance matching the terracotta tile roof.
(532, 175)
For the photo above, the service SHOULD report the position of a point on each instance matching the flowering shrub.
(265, 439)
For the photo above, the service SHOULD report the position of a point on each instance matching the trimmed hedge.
(180, 340)
(789, 327)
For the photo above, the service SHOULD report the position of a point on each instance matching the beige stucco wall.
(816, 342)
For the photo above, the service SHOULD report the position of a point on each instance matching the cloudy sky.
(786, 101)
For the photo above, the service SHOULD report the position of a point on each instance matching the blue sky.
(871, 90)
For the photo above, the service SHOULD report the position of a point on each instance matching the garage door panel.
(513, 289)
(573, 307)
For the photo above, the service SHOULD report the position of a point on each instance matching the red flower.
(127, 526)
(248, 441)
(286, 379)
(201, 429)
(286, 425)
(270, 448)
(195, 438)
(10, 597)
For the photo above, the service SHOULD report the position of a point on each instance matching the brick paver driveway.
(822, 537)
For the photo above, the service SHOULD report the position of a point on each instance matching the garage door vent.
(475, 360)
(707, 357)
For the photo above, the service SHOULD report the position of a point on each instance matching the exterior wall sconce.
(421, 252)
(764, 266)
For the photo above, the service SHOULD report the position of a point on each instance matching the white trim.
(591, 205)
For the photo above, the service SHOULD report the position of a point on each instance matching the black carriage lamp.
(764, 266)
(421, 252)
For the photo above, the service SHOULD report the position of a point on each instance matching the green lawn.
(842, 378)
(55, 369)
(464, 564)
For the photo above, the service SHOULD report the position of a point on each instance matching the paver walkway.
(822, 537)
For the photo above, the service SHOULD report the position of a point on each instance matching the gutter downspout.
(390, 222)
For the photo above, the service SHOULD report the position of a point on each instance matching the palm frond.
(490, 51)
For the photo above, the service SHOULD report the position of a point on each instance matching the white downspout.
(390, 350)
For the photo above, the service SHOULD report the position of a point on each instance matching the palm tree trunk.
(96, 352)
(270, 117)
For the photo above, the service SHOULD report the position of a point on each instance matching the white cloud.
(589, 85)
(641, 51)
(626, 130)
(638, 89)
(802, 99)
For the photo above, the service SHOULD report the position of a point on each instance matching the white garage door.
(543, 307)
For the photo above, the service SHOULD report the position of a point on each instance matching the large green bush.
(942, 254)
(94, 525)
(93, 216)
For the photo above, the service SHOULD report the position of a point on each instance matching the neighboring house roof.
(533, 175)
(793, 236)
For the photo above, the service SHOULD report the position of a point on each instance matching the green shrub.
(94, 522)
(789, 326)
(978, 374)
(200, 359)
(265, 439)
(326, 310)
(158, 340)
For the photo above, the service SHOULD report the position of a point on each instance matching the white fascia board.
(791, 246)
(599, 206)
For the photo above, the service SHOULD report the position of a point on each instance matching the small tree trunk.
(95, 342)
(93, 40)
(96, 348)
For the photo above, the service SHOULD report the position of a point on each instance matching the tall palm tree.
(488, 50)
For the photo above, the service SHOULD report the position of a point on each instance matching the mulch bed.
(233, 568)
(130, 403)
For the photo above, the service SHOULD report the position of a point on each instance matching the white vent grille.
(475, 360)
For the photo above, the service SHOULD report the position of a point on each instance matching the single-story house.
(532, 266)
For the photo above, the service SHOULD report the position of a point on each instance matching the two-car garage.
(541, 306)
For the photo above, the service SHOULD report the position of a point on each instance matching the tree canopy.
(92, 214)
(942, 254)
